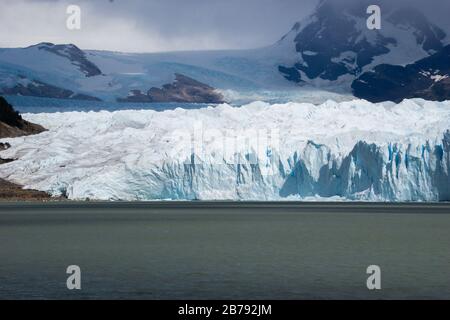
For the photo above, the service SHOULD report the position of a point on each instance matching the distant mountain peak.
(53, 46)
(335, 42)
(73, 53)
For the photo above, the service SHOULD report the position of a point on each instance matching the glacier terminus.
(335, 151)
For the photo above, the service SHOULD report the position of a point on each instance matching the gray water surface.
(224, 250)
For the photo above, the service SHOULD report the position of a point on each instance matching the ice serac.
(352, 150)
(371, 172)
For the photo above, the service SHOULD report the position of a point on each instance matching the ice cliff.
(297, 151)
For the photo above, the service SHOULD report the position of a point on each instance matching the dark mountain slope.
(428, 78)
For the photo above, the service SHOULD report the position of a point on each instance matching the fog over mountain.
(166, 25)
(151, 25)
(335, 43)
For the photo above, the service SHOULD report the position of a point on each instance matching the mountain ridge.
(330, 50)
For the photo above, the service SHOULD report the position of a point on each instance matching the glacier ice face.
(352, 150)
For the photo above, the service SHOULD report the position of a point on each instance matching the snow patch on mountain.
(334, 45)
(352, 150)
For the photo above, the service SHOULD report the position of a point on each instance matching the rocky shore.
(13, 192)
(11, 126)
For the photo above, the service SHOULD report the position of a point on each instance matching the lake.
(194, 250)
(25, 104)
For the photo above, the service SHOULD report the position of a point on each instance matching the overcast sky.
(151, 25)
(160, 25)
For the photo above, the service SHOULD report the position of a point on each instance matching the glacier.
(336, 151)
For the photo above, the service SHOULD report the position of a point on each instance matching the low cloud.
(165, 25)
(152, 25)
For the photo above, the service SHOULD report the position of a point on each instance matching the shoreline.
(204, 207)
(11, 192)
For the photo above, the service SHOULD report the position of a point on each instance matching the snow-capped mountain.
(64, 71)
(46, 70)
(328, 50)
(334, 44)
(74, 55)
